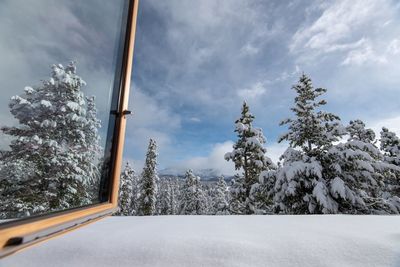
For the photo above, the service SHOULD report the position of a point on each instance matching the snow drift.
(329, 240)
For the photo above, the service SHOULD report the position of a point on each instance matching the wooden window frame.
(19, 234)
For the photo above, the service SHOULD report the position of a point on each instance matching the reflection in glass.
(54, 128)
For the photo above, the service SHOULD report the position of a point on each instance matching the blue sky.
(196, 61)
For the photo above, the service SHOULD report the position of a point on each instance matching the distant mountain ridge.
(205, 174)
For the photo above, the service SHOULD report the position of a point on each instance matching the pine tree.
(209, 193)
(237, 195)
(356, 172)
(193, 200)
(312, 131)
(54, 144)
(92, 150)
(174, 193)
(148, 186)
(220, 197)
(300, 185)
(248, 156)
(166, 198)
(390, 145)
(128, 191)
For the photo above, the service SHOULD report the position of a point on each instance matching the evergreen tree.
(165, 197)
(237, 195)
(92, 150)
(356, 172)
(174, 193)
(128, 191)
(248, 156)
(390, 145)
(148, 186)
(220, 197)
(209, 192)
(193, 200)
(311, 130)
(300, 184)
(52, 157)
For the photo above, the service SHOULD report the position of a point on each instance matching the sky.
(195, 62)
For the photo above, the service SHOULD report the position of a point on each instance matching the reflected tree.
(54, 152)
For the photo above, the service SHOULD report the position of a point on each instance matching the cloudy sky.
(196, 61)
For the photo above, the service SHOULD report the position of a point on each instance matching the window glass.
(59, 78)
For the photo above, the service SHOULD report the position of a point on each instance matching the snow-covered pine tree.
(237, 195)
(248, 155)
(128, 191)
(49, 162)
(148, 184)
(192, 201)
(174, 193)
(300, 185)
(312, 130)
(92, 149)
(221, 200)
(165, 197)
(14, 178)
(356, 172)
(390, 145)
(161, 190)
(209, 192)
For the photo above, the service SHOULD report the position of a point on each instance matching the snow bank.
(329, 240)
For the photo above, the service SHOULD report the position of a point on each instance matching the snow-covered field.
(223, 241)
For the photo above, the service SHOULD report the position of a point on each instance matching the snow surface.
(328, 240)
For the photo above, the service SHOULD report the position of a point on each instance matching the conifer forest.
(54, 161)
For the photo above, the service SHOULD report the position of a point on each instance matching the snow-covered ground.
(223, 241)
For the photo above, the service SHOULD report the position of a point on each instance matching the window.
(64, 86)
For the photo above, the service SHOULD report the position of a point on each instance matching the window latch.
(123, 113)
(126, 112)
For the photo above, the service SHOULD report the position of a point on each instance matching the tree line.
(328, 168)
(54, 161)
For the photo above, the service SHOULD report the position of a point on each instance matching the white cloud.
(275, 150)
(365, 53)
(150, 120)
(215, 160)
(205, 45)
(392, 123)
(150, 113)
(341, 27)
(135, 163)
(194, 119)
(256, 90)
(286, 75)
(249, 49)
(394, 47)
(362, 56)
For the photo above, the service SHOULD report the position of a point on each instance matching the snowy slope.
(223, 241)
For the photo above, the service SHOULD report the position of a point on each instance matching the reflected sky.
(36, 34)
